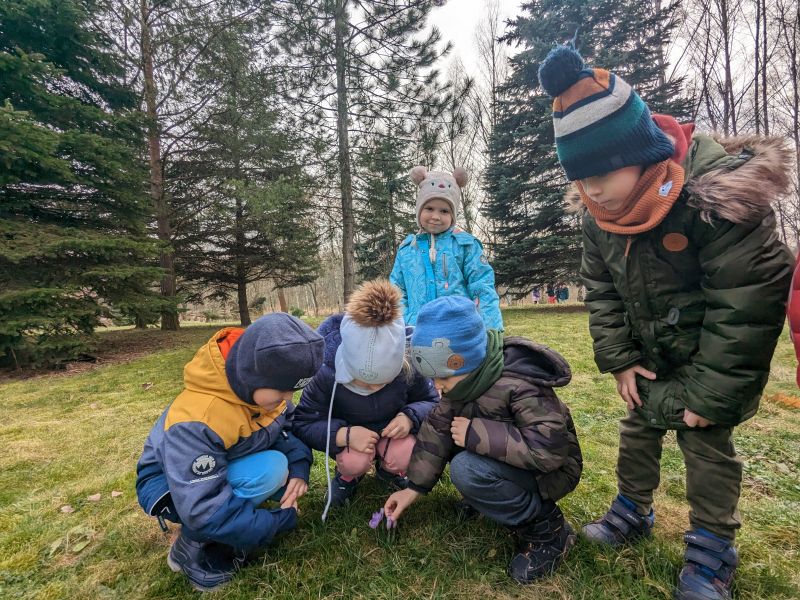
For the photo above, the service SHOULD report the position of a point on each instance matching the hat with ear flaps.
(439, 184)
(600, 123)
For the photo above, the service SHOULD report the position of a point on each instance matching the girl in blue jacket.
(364, 404)
(442, 259)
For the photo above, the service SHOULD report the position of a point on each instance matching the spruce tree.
(538, 241)
(244, 167)
(71, 184)
(385, 205)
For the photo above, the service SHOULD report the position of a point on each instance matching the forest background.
(169, 160)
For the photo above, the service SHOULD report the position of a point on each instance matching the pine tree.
(358, 63)
(244, 164)
(537, 240)
(385, 205)
(71, 196)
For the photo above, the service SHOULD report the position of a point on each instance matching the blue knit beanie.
(278, 351)
(601, 124)
(449, 338)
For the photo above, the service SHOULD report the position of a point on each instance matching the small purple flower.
(376, 519)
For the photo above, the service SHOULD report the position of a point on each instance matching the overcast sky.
(458, 19)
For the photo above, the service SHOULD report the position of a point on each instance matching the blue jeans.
(503, 493)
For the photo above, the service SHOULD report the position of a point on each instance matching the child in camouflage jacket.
(511, 443)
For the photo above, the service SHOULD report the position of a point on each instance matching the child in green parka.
(686, 285)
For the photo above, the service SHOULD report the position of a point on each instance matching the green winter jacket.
(700, 299)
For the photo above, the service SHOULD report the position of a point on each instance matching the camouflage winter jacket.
(519, 421)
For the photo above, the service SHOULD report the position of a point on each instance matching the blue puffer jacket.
(415, 399)
(461, 269)
(185, 458)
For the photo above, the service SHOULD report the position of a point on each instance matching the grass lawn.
(67, 437)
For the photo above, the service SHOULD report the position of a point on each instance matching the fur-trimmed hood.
(735, 179)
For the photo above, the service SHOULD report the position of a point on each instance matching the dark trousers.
(713, 471)
(503, 493)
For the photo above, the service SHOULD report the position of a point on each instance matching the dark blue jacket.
(414, 398)
(190, 446)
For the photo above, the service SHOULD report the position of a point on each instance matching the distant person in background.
(551, 294)
(563, 293)
(536, 295)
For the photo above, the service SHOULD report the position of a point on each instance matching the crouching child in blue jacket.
(220, 449)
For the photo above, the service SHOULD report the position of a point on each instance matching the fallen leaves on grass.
(67, 509)
(116, 494)
(147, 386)
(94, 498)
(784, 400)
(75, 541)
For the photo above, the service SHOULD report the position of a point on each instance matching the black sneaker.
(207, 565)
(709, 566)
(342, 491)
(395, 482)
(543, 543)
(620, 525)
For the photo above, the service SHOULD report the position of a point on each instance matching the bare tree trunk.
(757, 60)
(662, 64)
(169, 316)
(313, 287)
(764, 61)
(241, 293)
(346, 182)
(282, 300)
(729, 101)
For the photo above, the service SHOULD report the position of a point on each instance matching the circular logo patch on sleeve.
(203, 465)
(675, 242)
(455, 362)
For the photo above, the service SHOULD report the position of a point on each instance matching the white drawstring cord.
(327, 455)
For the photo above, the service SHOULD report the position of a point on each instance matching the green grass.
(66, 437)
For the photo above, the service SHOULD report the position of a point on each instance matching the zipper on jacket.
(444, 268)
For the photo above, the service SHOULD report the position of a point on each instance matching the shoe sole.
(176, 568)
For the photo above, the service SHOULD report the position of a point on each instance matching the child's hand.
(626, 384)
(458, 429)
(399, 501)
(694, 420)
(399, 427)
(363, 439)
(294, 489)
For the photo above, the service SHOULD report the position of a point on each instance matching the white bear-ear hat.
(439, 184)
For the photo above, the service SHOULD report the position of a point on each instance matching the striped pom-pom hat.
(601, 124)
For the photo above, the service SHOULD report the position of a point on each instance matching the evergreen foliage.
(72, 208)
(537, 240)
(254, 218)
(385, 207)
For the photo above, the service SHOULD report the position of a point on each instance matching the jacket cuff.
(418, 488)
(415, 423)
(471, 439)
(614, 359)
(300, 469)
